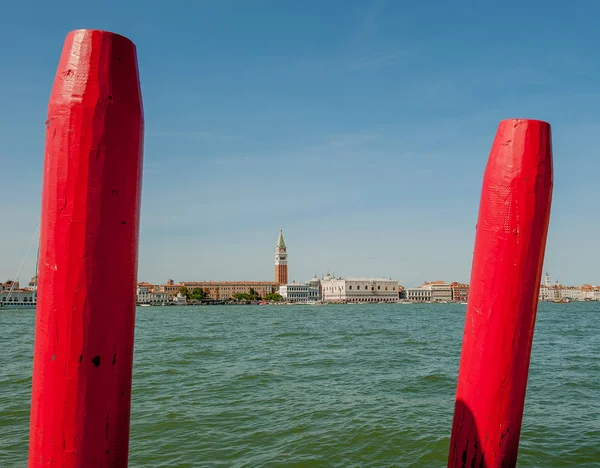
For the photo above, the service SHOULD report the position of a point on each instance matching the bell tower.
(281, 267)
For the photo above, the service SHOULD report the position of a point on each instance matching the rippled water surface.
(353, 385)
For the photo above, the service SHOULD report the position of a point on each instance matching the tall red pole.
(507, 267)
(88, 256)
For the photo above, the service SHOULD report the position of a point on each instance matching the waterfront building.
(573, 293)
(180, 299)
(440, 291)
(281, 266)
(546, 293)
(460, 292)
(297, 292)
(549, 292)
(223, 290)
(587, 292)
(170, 288)
(151, 294)
(144, 291)
(159, 297)
(559, 292)
(9, 285)
(12, 295)
(546, 290)
(17, 297)
(359, 289)
(420, 294)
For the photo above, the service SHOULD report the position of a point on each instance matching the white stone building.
(20, 297)
(587, 292)
(573, 293)
(160, 297)
(440, 291)
(180, 299)
(149, 294)
(11, 295)
(546, 293)
(420, 294)
(298, 292)
(143, 293)
(359, 289)
(558, 292)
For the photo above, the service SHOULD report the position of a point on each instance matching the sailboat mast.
(35, 277)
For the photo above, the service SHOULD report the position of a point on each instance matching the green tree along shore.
(201, 295)
(275, 297)
(195, 295)
(252, 295)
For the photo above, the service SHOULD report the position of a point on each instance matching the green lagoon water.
(306, 386)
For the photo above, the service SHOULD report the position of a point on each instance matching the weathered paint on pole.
(507, 267)
(84, 330)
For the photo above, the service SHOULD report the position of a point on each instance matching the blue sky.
(361, 128)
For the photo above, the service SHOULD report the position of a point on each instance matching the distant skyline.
(361, 128)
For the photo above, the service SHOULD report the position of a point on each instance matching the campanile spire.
(281, 267)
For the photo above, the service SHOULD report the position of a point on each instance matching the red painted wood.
(507, 267)
(88, 256)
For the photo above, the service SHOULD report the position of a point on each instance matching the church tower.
(281, 268)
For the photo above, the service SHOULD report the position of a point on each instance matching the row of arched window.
(372, 288)
(358, 288)
(17, 299)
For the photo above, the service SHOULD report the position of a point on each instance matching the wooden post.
(88, 256)
(507, 267)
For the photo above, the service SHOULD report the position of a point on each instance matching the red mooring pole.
(88, 256)
(507, 266)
